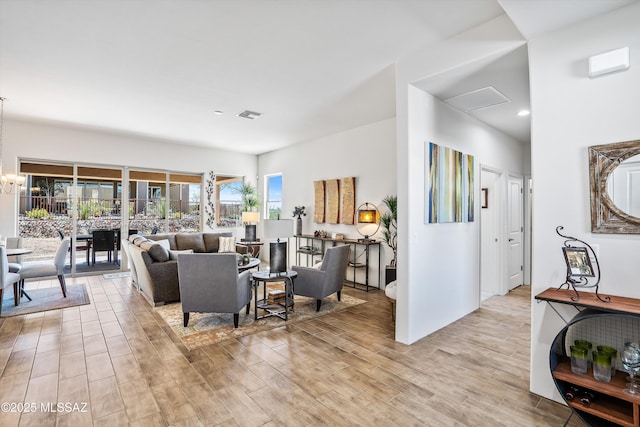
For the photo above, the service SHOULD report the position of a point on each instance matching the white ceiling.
(313, 68)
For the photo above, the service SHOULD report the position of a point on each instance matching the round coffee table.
(253, 262)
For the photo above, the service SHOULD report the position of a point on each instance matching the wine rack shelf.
(607, 404)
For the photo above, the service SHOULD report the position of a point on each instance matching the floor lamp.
(278, 229)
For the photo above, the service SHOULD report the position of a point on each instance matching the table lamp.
(368, 223)
(249, 219)
(278, 229)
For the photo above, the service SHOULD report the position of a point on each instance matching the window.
(273, 205)
(228, 201)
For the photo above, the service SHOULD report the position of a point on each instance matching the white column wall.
(438, 276)
(571, 112)
(34, 140)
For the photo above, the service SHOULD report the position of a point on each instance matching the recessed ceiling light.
(523, 113)
(247, 114)
(217, 112)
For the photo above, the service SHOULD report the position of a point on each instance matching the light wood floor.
(341, 369)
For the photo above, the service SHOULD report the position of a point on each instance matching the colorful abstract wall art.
(450, 190)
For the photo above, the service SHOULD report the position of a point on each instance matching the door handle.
(511, 240)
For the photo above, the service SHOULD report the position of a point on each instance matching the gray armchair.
(320, 283)
(210, 283)
(7, 278)
(54, 269)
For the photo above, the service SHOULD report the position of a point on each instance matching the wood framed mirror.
(614, 180)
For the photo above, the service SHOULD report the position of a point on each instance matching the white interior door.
(515, 247)
(490, 234)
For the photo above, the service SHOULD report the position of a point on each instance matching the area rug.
(116, 275)
(44, 300)
(211, 328)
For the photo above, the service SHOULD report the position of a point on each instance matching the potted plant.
(389, 221)
(249, 194)
(298, 213)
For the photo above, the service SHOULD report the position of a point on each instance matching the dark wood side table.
(251, 248)
(278, 310)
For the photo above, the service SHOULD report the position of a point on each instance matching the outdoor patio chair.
(81, 245)
(103, 241)
(44, 270)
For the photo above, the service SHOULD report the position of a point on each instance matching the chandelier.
(9, 183)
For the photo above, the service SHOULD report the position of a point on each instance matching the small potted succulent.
(298, 213)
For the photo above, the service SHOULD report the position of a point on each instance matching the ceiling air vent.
(478, 99)
(249, 114)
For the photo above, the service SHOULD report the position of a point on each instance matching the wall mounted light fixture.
(9, 183)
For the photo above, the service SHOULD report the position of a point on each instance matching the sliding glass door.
(96, 206)
(161, 202)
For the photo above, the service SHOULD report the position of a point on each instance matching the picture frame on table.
(578, 261)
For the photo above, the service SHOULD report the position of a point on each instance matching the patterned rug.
(44, 299)
(211, 328)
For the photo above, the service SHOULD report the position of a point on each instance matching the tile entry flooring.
(119, 358)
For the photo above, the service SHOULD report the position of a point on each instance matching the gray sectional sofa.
(153, 261)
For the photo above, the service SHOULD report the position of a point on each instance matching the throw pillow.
(173, 255)
(158, 253)
(164, 243)
(139, 240)
(317, 265)
(146, 245)
(212, 240)
(193, 241)
(227, 244)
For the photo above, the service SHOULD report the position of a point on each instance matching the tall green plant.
(249, 194)
(389, 222)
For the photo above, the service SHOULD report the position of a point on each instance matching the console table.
(312, 247)
(610, 403)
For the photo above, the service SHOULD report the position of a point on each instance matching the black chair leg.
(16, 293)
(236, 319)
(339, 295)
(248, 307)
(186, 319)
(318, 303)
(22, 292)
(63, 285)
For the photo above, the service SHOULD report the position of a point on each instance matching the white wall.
(447, 256)
(439, 262)
(571, 112)
(22, 139)
(368, 153)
